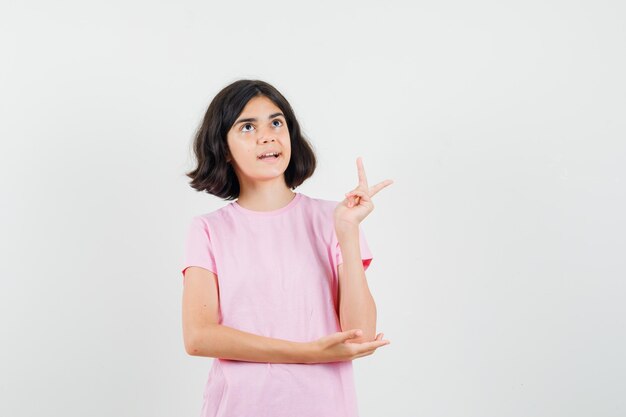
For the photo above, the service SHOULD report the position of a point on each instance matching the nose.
(266, 138)
(266, 135)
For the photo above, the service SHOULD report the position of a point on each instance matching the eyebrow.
(253, 119)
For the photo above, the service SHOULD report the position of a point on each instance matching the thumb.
(351, 334)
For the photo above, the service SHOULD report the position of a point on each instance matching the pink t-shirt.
(277, 277)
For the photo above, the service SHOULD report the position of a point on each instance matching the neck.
(265, 196)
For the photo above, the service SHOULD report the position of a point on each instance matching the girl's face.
(260, 128)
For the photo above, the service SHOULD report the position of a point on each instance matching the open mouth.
(270, 155)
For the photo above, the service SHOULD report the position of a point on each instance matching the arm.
(357, 309)
(203, 335)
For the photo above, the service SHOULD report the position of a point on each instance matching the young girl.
(274, 282)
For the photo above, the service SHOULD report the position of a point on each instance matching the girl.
(274, 282)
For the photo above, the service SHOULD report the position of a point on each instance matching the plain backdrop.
(499, 252)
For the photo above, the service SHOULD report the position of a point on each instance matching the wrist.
(343, 228)
(307, 352)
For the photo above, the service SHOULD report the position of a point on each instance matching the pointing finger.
(361, 171)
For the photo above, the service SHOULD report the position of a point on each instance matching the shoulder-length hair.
(213, 174)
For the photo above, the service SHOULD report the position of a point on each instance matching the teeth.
(269, 154)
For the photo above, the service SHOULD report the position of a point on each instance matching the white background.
(499, 261)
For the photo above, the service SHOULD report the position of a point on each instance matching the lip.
(269, 151)
(270, 160)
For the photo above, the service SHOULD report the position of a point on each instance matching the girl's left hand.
(358, 203)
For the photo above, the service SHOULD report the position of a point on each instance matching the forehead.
(259, 105)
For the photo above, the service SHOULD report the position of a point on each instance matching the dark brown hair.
(213, 174)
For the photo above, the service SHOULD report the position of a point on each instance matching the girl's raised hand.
(358, 203)
(337, 347)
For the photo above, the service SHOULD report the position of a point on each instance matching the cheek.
(240, 148)
(286, 141)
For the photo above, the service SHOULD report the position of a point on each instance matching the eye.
(243, 127)
(279, 121)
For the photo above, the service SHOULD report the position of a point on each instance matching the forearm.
(218, 341)
(357, 309)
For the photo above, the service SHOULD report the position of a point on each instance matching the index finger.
(361, 171)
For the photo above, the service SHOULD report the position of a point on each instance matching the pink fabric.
(277, 277)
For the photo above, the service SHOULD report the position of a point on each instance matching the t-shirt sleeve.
(199, 247)
(366, 254)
